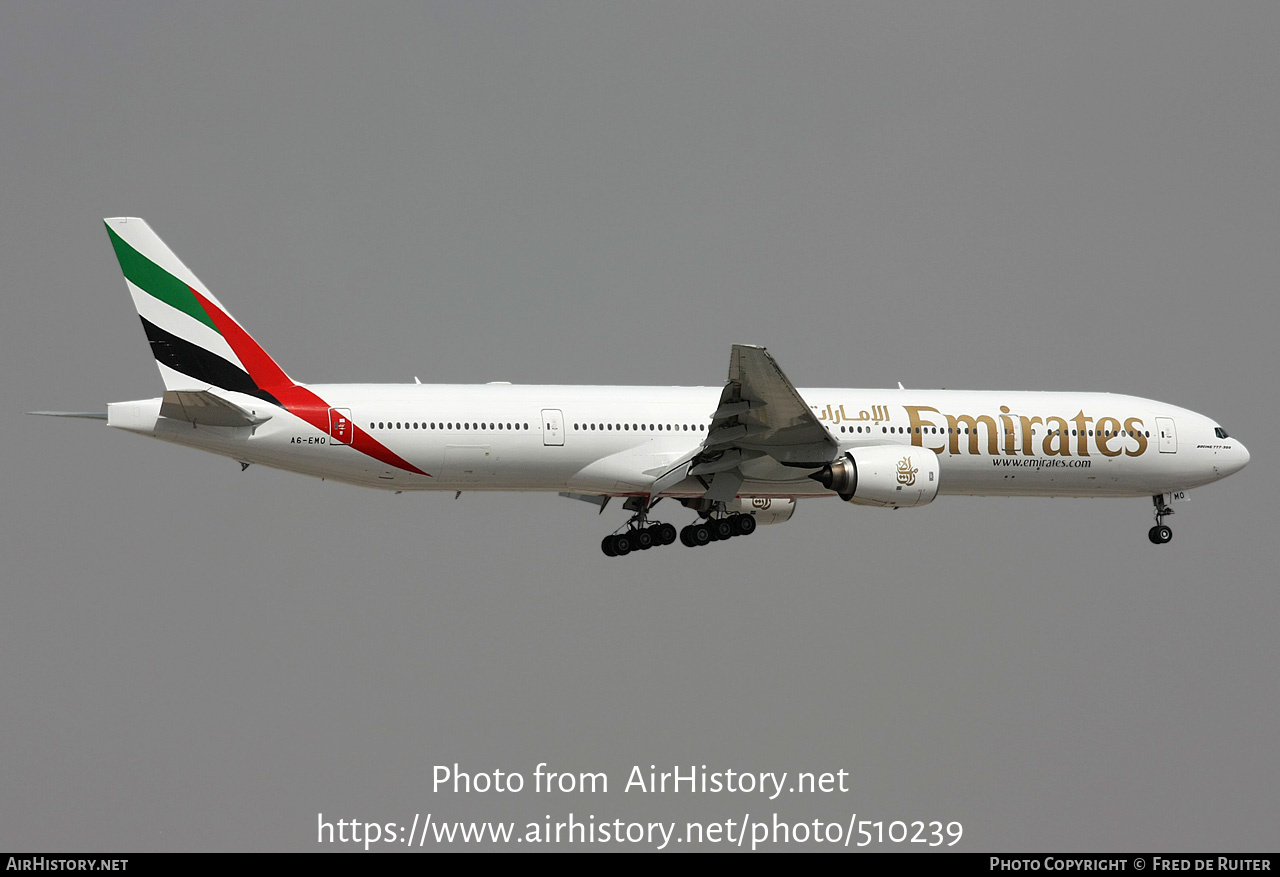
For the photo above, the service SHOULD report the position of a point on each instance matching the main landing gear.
(1161, 532)
(637, 538)
(641, 535)
(715, 529)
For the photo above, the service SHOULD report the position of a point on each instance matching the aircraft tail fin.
(196, 342)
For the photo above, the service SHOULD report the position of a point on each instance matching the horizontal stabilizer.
(203, 407)
(86, 415)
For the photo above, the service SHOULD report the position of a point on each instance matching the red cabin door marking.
(340, 426)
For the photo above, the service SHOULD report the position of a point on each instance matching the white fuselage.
(615, 440)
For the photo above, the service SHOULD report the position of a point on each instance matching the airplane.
(739, 455)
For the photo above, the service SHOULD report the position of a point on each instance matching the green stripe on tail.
(157, 282)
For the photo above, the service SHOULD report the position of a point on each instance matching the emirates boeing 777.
(737, 455)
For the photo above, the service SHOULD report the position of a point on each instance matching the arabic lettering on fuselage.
(877, 414)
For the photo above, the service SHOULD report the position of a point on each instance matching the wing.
(761, 410)
(760, 414)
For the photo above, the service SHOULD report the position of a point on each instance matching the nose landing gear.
(1161, 532)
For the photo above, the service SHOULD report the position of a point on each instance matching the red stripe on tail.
(298, 401)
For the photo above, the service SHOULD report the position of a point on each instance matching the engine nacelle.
(765, 509)
(883, 475)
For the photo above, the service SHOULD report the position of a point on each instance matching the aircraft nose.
(1233, 460)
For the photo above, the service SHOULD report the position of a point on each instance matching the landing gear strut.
(1161, 532)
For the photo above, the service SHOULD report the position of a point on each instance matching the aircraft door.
(1167, 434)
(340, 426)
(552, 427)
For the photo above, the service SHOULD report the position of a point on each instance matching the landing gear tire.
(743, 525)
(686, 536)
(622, 544)
(700, 534)
(723, 528)
(606, 545)
(663, 534)
(642, 540)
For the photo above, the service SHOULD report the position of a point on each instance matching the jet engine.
(883, 475)
(765, 509)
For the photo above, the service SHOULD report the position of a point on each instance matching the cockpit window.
(1219, 432)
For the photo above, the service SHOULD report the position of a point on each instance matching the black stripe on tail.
(196, 362)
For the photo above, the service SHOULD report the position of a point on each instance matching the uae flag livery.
(198, 345)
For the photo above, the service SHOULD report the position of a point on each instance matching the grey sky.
(1022, 196)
